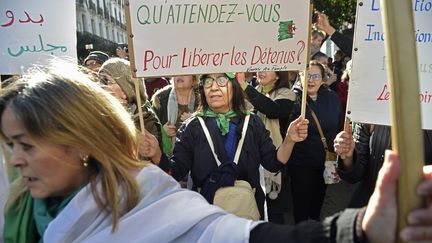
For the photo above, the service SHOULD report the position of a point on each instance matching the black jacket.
(339, 227)
(310, 153)
(192, 153)
(273, 109)
(343, 42)
(369, 157)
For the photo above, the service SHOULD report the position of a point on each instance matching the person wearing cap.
(223, 112)
(94, 60)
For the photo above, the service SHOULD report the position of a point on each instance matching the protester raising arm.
(342, 41)
(261, 97)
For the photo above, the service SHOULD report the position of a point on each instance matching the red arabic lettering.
(9, 14)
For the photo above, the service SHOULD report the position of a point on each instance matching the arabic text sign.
(369, 100)
(207, 37)
(31, 31)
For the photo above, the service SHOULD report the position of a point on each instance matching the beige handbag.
(240, 198)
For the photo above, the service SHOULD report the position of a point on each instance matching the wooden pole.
(305, 79)
(139, 104)
(130, 39)
(134, 70)
(402, 71)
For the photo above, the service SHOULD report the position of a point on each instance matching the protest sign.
(172, 38)
(369, 95)
(32, 31)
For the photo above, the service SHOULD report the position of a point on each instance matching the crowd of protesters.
(78, 161)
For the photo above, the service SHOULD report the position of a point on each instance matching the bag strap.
(210, 141)
(240, 144)
(323, 139)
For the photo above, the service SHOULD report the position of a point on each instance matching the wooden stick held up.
(133, 68)
(407, 137)
(139, 104)
(305, 79)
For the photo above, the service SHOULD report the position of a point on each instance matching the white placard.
(33, 31)
(369, 100)
(174, 37)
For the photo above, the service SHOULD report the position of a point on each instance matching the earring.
(85, 160)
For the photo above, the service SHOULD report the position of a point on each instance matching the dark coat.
(343, 42)
(369, 157)
(327, 107)
(340, 227)
(192, 153)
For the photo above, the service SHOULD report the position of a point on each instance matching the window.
(84, 23)
(100, 30)
(93, 27)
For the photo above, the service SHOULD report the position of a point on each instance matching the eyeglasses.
(221, 81)
(106, 80)
(314, 76)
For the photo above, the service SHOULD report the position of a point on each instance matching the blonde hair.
(59, 103)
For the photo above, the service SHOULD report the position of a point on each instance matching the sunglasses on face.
(314, 76)
(104, 79)
(221, 81)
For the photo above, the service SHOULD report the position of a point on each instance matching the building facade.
(101, 24)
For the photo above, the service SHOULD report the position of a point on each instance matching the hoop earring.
(85, 160)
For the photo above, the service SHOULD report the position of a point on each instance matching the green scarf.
(27, 221)
(266, 89)
(19, 224)
(45, 211)
(221, 119)
(167, 145)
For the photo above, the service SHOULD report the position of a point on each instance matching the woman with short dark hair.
(223, 111)
(306, 165)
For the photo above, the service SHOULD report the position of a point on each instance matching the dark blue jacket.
(192, 153)
(327, 107)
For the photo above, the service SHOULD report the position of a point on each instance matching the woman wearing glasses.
(306, 164)
(116, 76)
(223, 111)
